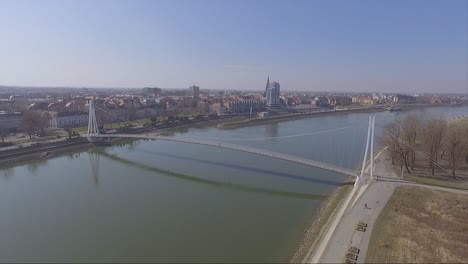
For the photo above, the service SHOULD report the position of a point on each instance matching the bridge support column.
(372, 149)
(93, 128)
(359, 178)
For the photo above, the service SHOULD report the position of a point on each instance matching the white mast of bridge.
(93, 129)
(370, 138)
(372, 149)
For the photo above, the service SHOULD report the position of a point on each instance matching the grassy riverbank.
(320, 222)
(421, 225)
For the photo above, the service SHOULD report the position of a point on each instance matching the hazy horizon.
(417, 46)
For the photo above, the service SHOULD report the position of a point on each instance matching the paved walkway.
(376, 195)
(336, 233)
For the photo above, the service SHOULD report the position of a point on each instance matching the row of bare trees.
(430, 137)
(33, 121)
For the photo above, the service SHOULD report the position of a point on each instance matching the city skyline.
(391, 46)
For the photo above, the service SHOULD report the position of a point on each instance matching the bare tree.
(3, 133)
(31, 122)
(131, 113)
(433, 131)
(147, 112)
(394, 140)
(411, 126)
(453, 142)
(44, 122)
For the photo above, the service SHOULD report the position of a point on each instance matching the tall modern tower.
(195, 90)
(272, 93)
(267, 84)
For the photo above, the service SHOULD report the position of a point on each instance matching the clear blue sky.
(374, 45)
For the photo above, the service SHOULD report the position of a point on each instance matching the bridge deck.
(267, 153)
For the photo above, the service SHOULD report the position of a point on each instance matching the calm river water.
(174, 202)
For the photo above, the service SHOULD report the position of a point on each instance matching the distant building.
(20, 102)
(152, 90)
(340, 100)
(39, 106)
(363, 100)
(217, 108)
(195, 91)
(272, 93)
(244, 106)
(404, 99)
(321, 101)
(313, 103)
(68, 119)
(202, 107)
(10, 121)
(150, 101)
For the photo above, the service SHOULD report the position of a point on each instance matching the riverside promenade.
(339, 236)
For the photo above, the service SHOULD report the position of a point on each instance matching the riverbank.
(42, 151)
(292, 116)
(48, 150)
(260, 121)
(461, 120)
(320, 222)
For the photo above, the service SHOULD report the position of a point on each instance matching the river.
(147, 201)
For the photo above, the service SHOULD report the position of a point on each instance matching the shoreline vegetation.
(429, 149)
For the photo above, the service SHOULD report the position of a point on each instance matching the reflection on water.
(73, 156)
(132, 144)
(34, 165)
(271, 130)
(7, 172)
(239, 187)
(94, 161)
(245, 168)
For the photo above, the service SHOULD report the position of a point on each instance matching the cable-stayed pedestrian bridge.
(240, 148)
(93, 134)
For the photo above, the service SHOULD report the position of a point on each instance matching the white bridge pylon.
(93, 129)
(370, 138)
